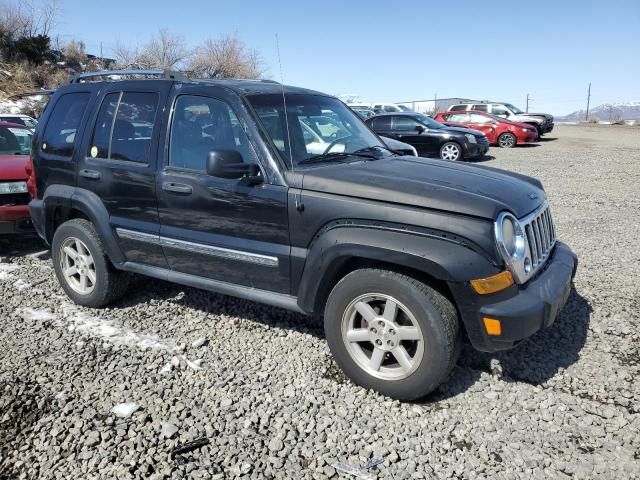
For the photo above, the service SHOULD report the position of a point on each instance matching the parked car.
(430, 138)
(388, 108)
(542, 121)
(500, 132)
(24, 120)
(401, 257)
(15, 146)
(363, 112)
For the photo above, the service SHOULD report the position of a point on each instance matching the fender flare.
(91, 206)
(443, 257)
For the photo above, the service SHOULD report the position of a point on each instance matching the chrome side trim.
(220, 252)
(138, 236)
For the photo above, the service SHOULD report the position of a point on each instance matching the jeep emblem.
(533, 196)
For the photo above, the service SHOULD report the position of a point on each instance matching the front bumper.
(547, 127)
(15, 219)
(521, 309)
(472, 150)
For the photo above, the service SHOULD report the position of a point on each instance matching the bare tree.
(167, 50)
(225, 57)
(75, 53)
(29, 18)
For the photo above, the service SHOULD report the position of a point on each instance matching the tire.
(101, 287)
(507, 140)
(451, 151)
(431, 349)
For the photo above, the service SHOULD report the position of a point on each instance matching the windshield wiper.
(327, 157)
(376, 148)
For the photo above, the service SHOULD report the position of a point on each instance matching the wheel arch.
(433, 260)
(63, 203)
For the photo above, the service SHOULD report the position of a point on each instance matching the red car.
(15, 183)
(501, 132)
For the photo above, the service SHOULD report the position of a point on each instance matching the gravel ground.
(259, 384)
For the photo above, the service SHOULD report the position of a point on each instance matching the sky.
(388, 51)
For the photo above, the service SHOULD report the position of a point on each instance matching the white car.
(19, 119)
(389, 108)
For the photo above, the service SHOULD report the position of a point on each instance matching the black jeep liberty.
(218, 185)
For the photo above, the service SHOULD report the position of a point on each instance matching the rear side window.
(124, 127)
(60, 134)
(458, 117)
(458, 108)
(381, 123)
(481, 108)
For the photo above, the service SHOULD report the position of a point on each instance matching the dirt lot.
(264, 392)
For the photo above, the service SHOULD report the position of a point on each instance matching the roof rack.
(162, 74)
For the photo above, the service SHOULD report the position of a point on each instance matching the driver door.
(219, 228)
(409, 130)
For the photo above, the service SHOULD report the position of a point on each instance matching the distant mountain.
(605, 112)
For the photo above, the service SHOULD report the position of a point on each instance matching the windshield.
(318, 126)
(404, 108)
(15, 141)
(513, 108)
(429, 122)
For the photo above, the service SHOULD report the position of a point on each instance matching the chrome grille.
(541, 236)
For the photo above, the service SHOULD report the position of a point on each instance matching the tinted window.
(458, 108)
(99, 147)
(498, 110)
(202, 124)
(15, 140)
(381, 123)
(132, 128)
(60, 133)
(481, 108)
(405, 123)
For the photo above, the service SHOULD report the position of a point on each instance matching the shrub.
(617, 120)
(592, 118)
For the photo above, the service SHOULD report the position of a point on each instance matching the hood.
(430, 183)
(520, 124)
(545, 115)
(12, 167)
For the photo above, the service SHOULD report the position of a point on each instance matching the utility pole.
(527, 103)
(586, 118)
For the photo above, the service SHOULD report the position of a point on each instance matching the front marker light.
(494, 283)
(471, 138)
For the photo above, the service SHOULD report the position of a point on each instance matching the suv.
(542, 121)
(213, 184)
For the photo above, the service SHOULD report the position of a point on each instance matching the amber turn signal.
(492, 284)
(492, 326)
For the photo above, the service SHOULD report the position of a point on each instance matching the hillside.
(606, 112)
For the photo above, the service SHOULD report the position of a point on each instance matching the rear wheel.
(391, 333)
(82, 267)
(451, 151)
(507, 140)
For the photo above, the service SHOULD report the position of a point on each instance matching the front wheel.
(391, 333)
(507, 140)
(451, 151)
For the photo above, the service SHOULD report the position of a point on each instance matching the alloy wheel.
(450, 152)
(382, 336)
(506, 140)
(77, 266)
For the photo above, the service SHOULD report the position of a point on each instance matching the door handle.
(177, 188)
(92, 174)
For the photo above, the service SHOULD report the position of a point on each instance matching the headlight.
(471, 138)
(13, 187)
(525, 130)
(510, 239)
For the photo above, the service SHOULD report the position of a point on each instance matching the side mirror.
(229, 164)
(420, 128)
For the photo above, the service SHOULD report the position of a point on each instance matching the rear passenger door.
(218, 228)
(118, 164)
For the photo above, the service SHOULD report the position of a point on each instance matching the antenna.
(284, 102)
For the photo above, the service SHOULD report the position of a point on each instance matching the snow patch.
(124, 410)
(21, 284)
(6, 270)
(37, 314)
(78, 321)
